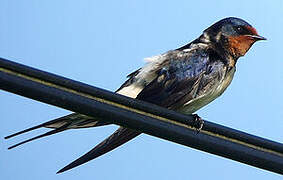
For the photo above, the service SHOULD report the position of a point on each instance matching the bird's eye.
(239, 29)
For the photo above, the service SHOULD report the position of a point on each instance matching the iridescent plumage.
(183, 80)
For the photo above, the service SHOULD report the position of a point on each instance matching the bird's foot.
(198, 122)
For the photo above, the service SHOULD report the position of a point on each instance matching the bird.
(184, 80)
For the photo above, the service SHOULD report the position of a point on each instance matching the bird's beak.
(257, 37)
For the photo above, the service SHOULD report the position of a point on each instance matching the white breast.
(197, 103)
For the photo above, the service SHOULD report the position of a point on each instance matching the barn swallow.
(184, 80)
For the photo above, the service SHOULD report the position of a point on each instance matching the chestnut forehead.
(251, 29)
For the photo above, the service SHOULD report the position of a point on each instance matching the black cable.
(142, 116)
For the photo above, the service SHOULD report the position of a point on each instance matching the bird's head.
(233, 35)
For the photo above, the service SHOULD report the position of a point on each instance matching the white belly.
(197, 103)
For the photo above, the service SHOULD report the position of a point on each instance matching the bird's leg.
(198, 122)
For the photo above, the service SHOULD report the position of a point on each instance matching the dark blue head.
(232, 26)
(233, 34)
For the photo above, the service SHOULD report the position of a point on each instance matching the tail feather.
(71, 121)
(54, 131)
(119, 137)
(56, 123)
(24, 131)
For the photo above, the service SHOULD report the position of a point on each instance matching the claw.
(198, 122)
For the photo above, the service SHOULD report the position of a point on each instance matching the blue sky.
(99, 43)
